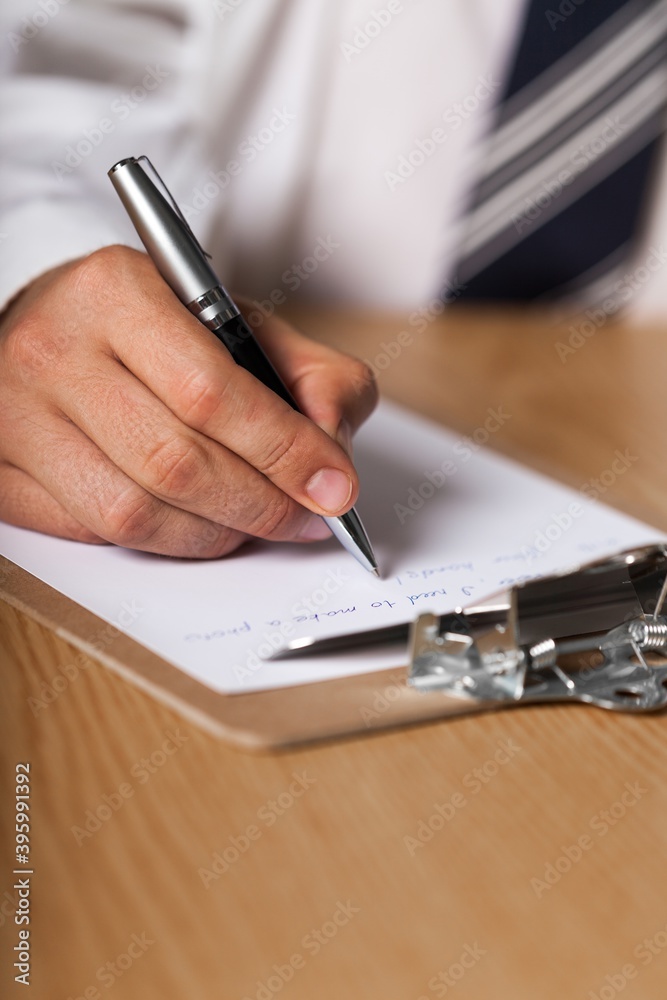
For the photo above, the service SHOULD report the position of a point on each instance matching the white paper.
(450, 522)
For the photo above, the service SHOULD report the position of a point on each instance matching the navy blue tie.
(570, 158)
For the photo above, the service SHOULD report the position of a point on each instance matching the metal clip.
(596, 634)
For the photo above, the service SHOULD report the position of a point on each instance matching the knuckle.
(90, 275)
(174, 468)
(133, 520)
(214, 541)
(273, 520)
(277, 453)
(201, 398)
(97, 277)
(30, 347)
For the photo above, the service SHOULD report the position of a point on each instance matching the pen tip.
(376, 572)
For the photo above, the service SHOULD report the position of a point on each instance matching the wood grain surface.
(510, 855)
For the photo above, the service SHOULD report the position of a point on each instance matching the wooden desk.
(543, 869)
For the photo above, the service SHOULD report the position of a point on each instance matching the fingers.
(26, 504)
(107, 503)
(122, 418)
(187, 368)
(330, 387)
(175, 463)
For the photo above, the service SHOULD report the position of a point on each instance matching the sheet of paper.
(450, 521)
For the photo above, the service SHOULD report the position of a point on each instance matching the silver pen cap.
(162, 229)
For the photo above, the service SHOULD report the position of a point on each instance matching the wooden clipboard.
(259, 721)
(433, 378)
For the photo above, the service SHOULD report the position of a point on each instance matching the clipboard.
(591, 599)
(257, 721)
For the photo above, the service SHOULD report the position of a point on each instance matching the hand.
(123, 419)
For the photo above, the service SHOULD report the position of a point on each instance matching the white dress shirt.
(320, 148)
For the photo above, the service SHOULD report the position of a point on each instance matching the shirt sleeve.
(86, 83)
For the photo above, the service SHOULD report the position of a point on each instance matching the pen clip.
(150, 170)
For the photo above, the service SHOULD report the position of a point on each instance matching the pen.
(182, 262)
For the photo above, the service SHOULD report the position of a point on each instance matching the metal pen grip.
(214, 308)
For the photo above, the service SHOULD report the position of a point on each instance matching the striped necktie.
(570, 156)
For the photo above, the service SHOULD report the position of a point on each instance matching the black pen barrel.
(239, 340)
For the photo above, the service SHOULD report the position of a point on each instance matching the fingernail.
(344, 437)
(315, 530)
(330, 489)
